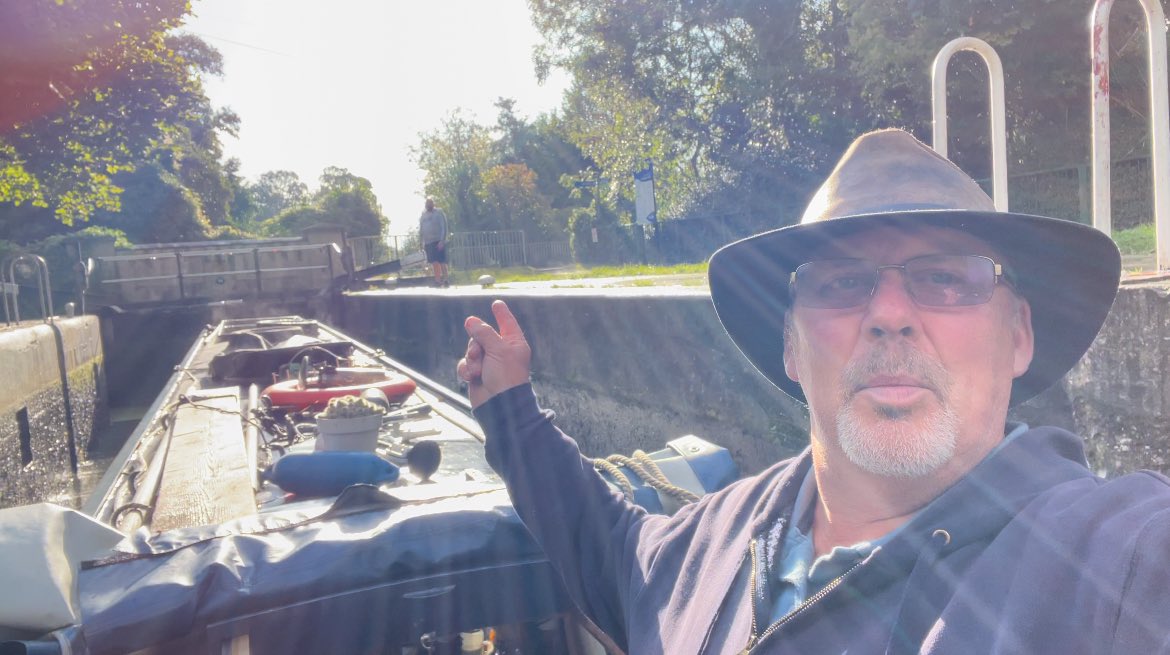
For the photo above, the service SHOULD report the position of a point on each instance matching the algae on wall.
(39, 446)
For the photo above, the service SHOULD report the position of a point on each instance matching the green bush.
(1138, 240)
(156, 208)
(614, 246)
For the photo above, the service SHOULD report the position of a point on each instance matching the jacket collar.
(973, 509)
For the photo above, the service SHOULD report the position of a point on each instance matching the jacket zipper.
(755, 638)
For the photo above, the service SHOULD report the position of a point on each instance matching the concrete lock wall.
(39, 446)
(633, 370)
(623, 372)
(1119, 393)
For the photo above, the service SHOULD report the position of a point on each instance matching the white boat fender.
(328, 473)
(378, 397)
(41, 550)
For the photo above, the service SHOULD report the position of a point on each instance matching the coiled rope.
(645, 468)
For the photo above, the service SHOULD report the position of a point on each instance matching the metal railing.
(1159, 122)
(504, 248)
(487, 249)
(938, 77)
(548, 253)
(187, 272)
(44, 288)
(368, 251)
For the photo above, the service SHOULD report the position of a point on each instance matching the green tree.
(513, 201)
(243, 203)
(348, 200)
(147, 106)
(739, 104)
(344, 200)
(545, 147)
(47, 48)
(455, 156)
(276, 192)
(156, 207)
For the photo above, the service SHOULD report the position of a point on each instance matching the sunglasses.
(931, 280)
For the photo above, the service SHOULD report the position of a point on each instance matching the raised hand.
(494, 361)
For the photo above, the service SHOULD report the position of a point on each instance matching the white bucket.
(358, 433)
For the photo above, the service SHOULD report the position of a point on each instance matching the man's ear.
(1023, 339)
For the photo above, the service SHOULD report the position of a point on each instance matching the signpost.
(645, 206)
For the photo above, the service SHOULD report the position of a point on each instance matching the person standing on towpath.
(432, 232)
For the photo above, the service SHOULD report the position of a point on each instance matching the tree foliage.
(544, 146)
(277, 191)
(52, 51)
(715, 92)
(512, 201)
(156, 207)
(128, 109)
(455, 157)
(343, 199)
(514, 175)
(744, 104)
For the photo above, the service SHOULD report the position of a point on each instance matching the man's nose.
(891, 310)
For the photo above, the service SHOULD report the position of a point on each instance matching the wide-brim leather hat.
(1068, 272)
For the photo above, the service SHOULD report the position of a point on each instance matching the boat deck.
(197, 457)
(219, 558)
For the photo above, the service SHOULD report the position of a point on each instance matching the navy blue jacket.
(1029, 553)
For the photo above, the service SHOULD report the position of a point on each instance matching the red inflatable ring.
(339, 382)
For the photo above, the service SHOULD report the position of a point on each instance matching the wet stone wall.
(1119, 393)
(626, 371)
(41, 456)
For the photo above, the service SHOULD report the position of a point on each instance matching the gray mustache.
(900, 361)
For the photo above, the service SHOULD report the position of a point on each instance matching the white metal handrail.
(938, 79)
(1159, 122)
(44, 287)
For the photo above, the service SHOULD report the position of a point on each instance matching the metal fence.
(367, 251)
(1067, 193)
(549, 253)
(501, 249)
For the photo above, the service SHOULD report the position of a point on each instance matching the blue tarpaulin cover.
(183, 583)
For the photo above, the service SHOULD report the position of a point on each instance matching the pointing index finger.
(480, 332)
(509, 326)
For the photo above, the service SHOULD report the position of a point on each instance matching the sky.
(352, 83)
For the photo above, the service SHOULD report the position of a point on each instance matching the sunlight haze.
(352, 83)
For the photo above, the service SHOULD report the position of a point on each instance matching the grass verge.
(1137, 240)
(523, 274)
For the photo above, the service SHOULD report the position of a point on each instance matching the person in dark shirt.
(909, 315)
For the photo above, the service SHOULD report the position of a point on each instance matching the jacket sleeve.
(589, 532)
(1143, 621)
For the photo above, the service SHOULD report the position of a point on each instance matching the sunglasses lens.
(950, 280)
(932, 280)
(834, 283)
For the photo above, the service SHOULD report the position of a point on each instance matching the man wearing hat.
(910, 316)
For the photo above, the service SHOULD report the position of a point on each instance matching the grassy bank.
(523, 274)
(1136, 240)
(1133, 241)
